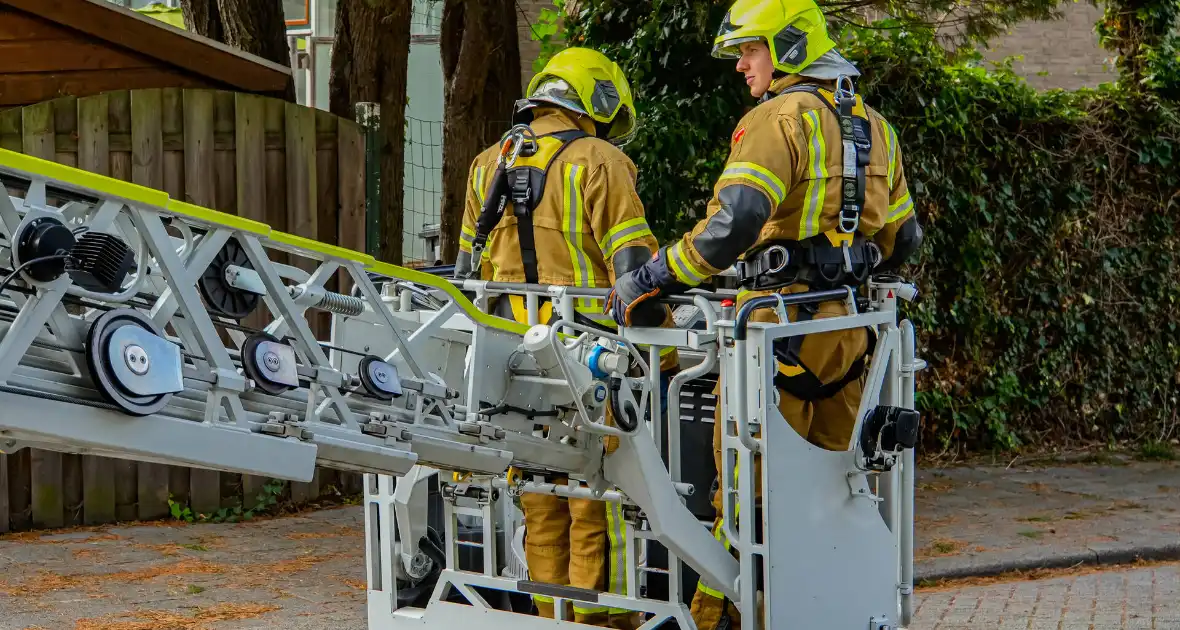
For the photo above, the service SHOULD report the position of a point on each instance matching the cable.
(9, 277)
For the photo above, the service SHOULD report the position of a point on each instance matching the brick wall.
(1061, 53)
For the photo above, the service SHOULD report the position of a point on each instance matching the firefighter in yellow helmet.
(812, 173)
(571, 217)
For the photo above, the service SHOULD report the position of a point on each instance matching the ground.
(1130, 598)
(307, 571)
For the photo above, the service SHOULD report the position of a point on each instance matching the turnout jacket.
(588, 227)
(782, 183)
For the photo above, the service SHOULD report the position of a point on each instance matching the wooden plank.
(172, 123)
(179, 484)
(126, 490)
(37, 131)
(47, 502)
(20, 490)
(302, 215)
(224, 160)
(200, 188)
(252, 486)
(98, 490)
(304, 492)
(351, 184)
(65, 122)
(10, 129)
(259, 184)
(5, 522)
(250, 156)
(352, 483)
(147, 142)
(204, 491)
(35, 87)
(276, 166)
(71, 481)
(198, 148)
(98, 473)
(64, 54)
(152, 491)
(194, 54)
(44, 466)
(94, 152)
(327, 191)
(18, 25)
(147, 169)
(231, 491)
(119, 123)
(67, 143)
(326, 202)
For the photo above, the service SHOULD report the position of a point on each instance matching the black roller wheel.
(101, 370)
(219, 296)
(371, 371)
(254, 371)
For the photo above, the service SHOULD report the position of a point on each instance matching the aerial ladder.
(122, 335)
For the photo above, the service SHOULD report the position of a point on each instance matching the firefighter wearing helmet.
(812, 197)
(555, 203)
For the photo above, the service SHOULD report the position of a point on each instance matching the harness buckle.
(778, 258)
(849, 220)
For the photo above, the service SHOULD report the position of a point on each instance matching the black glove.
(631, 301)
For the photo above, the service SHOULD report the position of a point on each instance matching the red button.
(727, 302)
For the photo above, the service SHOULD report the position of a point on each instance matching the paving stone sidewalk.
(987, 520)
(307, 571)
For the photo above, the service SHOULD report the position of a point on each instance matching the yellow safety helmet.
(586, 82)
(795, 31)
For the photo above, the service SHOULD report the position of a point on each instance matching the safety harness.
(837, 258)
(519, 179)
(840, 256)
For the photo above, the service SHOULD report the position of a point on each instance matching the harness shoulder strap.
(527, 184)
(521, 185)
(856, 142)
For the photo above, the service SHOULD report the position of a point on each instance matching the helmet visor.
(731, 48)
(556, 91)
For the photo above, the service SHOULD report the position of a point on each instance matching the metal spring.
(341, 304)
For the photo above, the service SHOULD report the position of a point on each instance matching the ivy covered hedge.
(1050, 274)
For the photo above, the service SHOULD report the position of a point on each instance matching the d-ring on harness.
(522, 184)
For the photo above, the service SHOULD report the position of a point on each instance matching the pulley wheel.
(264, 369)
(220, 297)
(102, 371)
(379, 378)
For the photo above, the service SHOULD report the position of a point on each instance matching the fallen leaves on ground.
(312, 535)
(53, 537)
(261, 574)
(154, 619)
(46, 581)
(940, 547)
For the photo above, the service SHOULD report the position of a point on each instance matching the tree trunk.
(203, 18)
(257, 27)
(370, 64)
(481, 81)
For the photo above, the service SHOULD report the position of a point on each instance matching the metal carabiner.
(514, 142)
(844, 88)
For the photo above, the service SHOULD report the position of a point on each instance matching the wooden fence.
(298, 169)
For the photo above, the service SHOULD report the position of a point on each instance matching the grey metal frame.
(451, 366)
